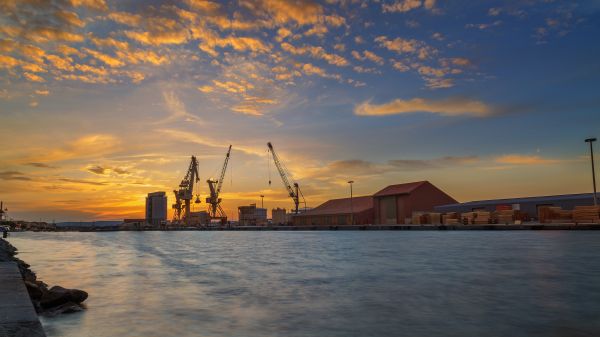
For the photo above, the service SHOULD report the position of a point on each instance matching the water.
(400, 283)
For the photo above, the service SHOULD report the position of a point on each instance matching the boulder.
(34, 290)
(65, 308)
(58, 295)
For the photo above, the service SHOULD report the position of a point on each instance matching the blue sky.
(103, 102)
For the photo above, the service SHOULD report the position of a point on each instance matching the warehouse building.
(339, 212)
(527, 205)
(396, 203)
(392, 205)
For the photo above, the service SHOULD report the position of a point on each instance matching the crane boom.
(293, 192)
(185, 193)
(215, 186)
(223, 171)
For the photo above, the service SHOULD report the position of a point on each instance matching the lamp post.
(351, 209)
(591, 141)
(262, 201)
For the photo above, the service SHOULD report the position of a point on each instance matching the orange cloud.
(107, 59)
(516, 159)
(33, 77)
(446, 107)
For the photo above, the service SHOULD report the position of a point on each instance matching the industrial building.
(252, 215)
(391, 205)
(200, 218)
(528, 205)
(339, 212)
(396, 203)
(156, 208)
(280, 216)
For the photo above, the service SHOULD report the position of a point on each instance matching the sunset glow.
(102, 102)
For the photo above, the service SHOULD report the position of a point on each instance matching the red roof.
(342, 206)
(400, 189)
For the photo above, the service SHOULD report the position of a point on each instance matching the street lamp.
(262, 199)
(592, 140)
(351, 209)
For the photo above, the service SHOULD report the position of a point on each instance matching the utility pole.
(351, 208)
(591, 141)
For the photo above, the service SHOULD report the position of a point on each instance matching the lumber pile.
(424, 218)
(419, 218)
(505, 216)
(435, 218)
(450, 219)
(586, 214)
(476, 218)
(482, 218)
(551, 214)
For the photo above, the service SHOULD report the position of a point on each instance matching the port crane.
(294, 192)
(184, 195)
(214, 202)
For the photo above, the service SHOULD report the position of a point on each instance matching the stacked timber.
(424, 218)
(435, 218)
(468, 218)
(505, 216)
(586, 214)
(476, 218)
(419, 218)
(550, 214)
(450, 219)
(482, 217)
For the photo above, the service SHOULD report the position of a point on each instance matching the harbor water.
(374, 283)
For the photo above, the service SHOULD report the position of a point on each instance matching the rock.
(34, 290)
(65, 308)
(57, 296)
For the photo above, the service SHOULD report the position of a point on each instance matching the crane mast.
(215, 186)
(183, 196)
(293, 192)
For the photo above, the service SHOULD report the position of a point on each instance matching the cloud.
(33, 77)
(420, 164)
(81, 181)
(517, 159)
(88, 146)
(317, 52)
(97, 169)
(454, 106)
(13, 175)
(107, 59)
(40, 165)
(194, 138)
(401, 6)
(102, 170)
(177, 110)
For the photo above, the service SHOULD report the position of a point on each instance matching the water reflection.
(323, 283)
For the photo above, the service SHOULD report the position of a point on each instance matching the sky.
(102, 102)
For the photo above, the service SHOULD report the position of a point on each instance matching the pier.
(17, 315)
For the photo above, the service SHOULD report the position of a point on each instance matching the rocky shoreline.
(46, 301)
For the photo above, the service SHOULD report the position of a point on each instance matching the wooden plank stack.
(586, 214)
(468, 218)
(425, 218)
(505, 216)
(419, 218)
(550, 214)
(482, 218)
(450, 219)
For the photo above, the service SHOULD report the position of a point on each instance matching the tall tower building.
(156, 208)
